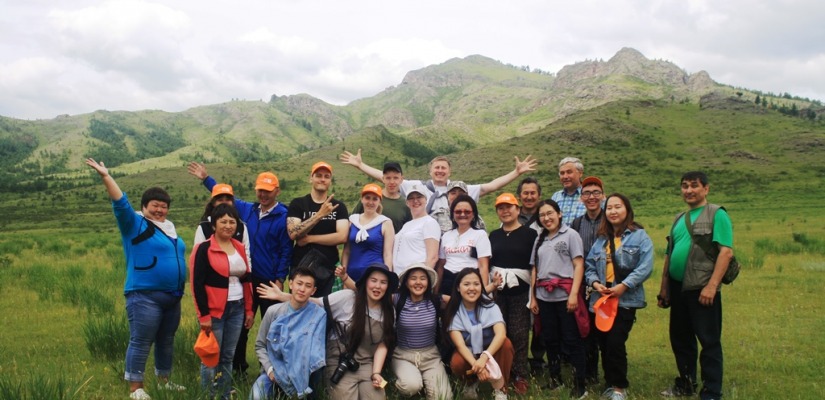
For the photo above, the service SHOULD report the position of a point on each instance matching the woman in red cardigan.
(222, 293)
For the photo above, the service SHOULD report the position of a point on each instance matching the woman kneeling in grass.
(476, 329)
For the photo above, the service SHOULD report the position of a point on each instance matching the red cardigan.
(210, 279)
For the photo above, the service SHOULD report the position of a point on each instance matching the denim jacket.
(633, 264)
(295, 346)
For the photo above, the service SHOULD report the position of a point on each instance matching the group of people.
(420, 289)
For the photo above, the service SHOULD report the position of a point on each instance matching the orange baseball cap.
(266, 181)
(605, 309)
(206, 347)
(371, 188)
(319, 165)
(506, 198)
(222, 188)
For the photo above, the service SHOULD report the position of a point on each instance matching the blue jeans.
(153, 318)
(226, 331)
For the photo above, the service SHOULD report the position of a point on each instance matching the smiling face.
(302, 288)
(694, 193)
(570, 177)
(440, 172)
(592, 196)
(156, 210)
(549, 218)
(417, 204)
(463, 214)
(470, 288)
(615, 211)
(417, 283)
(321, 180)
(529, 196)
(225, 227)
(370, 202)
(267, 198)
(377, 284)
(507, 213)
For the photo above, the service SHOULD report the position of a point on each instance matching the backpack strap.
(146, 234)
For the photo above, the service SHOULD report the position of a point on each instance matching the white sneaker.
(172, 387)
(140, 394)
(470, 392)
(499, 395)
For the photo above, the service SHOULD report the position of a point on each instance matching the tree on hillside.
(758, 100)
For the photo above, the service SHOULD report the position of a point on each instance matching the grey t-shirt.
(556, 254)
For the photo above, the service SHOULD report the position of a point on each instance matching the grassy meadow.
(62, 320)
(63, 331)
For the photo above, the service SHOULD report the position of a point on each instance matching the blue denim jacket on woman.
(633, 264)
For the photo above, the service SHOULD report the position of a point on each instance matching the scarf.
(166, 226)
(487, 317)
(362, 234)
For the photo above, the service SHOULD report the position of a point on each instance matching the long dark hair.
(210, 205)
(357, 328)
(466, 199)
(544, 232)
(455, 299)
(607, 229)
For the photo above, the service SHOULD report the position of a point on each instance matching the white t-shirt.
(455, 249)
(342, 305)
(410, 246)
(237, 267)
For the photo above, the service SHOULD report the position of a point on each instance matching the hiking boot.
(470, 392)
(499, 395)
(521, 386)
(140, 394)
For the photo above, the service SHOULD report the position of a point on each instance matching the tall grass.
(106, 336)
(55, 386)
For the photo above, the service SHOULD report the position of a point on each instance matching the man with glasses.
(568, 198)
(587, 225)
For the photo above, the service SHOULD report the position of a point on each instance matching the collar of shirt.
(263, 213)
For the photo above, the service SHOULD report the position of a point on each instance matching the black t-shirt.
(513, 251)
(304, 208)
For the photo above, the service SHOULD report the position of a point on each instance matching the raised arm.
(527, 165)
(111, 186)
(356, 161)
(198, 170)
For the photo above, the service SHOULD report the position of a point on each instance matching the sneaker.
(499, 395)
(618, 395)
(521, 386)
(172, 387)
(607, 393)
(140, 394)
(676, 391)
(470, 392)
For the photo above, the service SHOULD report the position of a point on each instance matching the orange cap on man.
(320, 165)
(266, 181)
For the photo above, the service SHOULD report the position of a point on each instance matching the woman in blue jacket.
(619, 262)
(155, 277)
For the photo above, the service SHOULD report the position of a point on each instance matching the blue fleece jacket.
(157, 263)
(269, 243)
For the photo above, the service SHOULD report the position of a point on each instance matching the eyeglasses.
(463, 212)
(547, 215)
(595, 193)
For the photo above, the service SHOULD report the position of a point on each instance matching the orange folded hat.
(206, 347)
(606, 308)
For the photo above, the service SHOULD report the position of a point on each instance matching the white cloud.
(76, 57)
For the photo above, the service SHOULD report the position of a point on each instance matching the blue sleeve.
(209, 183)
(590, 273)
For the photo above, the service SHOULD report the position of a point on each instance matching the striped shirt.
(416, 325)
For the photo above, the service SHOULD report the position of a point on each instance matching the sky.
(75, 57)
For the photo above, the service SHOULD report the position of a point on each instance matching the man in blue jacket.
(270, 246)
